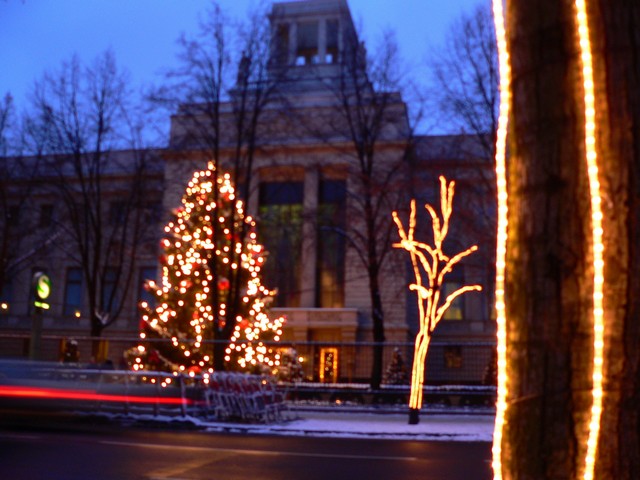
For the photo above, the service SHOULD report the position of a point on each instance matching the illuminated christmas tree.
(396, 373)
(210, 288)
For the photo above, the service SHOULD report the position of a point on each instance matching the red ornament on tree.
(223, 284)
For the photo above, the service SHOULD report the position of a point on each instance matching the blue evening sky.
(37, 35)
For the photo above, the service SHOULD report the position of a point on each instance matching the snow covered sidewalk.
(432, 426)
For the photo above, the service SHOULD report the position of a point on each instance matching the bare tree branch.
(101, 173)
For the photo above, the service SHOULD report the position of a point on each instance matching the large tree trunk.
(547, 289)
(615, 36)
(378, 334)
(549, 275)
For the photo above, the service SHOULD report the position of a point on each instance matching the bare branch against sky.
(143, 34)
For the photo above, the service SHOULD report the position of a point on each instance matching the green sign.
(42, 285)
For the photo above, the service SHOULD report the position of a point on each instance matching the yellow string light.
(501, 248)
(597, 233)
(436, 265)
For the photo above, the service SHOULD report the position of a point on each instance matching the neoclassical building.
(327, 149)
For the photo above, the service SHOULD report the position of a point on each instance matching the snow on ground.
(441, 427)
(436, 424)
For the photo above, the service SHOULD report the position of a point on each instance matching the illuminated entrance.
(329, 364)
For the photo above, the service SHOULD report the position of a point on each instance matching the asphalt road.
(108, 452)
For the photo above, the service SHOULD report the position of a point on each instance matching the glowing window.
(331, 245)
(280, 231)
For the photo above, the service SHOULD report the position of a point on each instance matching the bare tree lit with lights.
(176, 328)
(430, 260)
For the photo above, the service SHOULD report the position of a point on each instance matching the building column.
(293, 42)
(309, 244)
(340, 55)
(322, 41)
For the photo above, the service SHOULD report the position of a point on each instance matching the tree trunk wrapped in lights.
(192, 303)
(432, 262)
(571, 382)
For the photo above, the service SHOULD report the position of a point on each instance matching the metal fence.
(312, 363)
(59, 387)
(312, 373)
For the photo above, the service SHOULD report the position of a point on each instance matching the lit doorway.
(329, 364)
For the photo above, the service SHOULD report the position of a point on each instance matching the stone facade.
(302, 138)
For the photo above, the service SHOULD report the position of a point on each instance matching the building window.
(6, 296)
(152, 212)
(453, 356)
(73, 292)
(332, 41)
(13, 215)
(330, 266)
(144, 295)
(46, 215)
(307, 43)
(281, 44)
(109, 293)
(450, 285)
(117, 212)
(280, 230)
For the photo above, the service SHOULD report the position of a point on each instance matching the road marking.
(171, 472)
(18, 436)
(259, 452)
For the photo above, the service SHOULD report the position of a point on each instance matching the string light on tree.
(435, 264)
(501, 244)
(596, 233)
(194, 297)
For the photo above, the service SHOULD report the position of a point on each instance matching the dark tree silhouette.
(99, 173)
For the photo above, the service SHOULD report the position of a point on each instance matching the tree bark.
(615, 27)
(548, 283)
(549, 275)
(377, 317)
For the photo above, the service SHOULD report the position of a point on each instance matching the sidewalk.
(432, 426)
